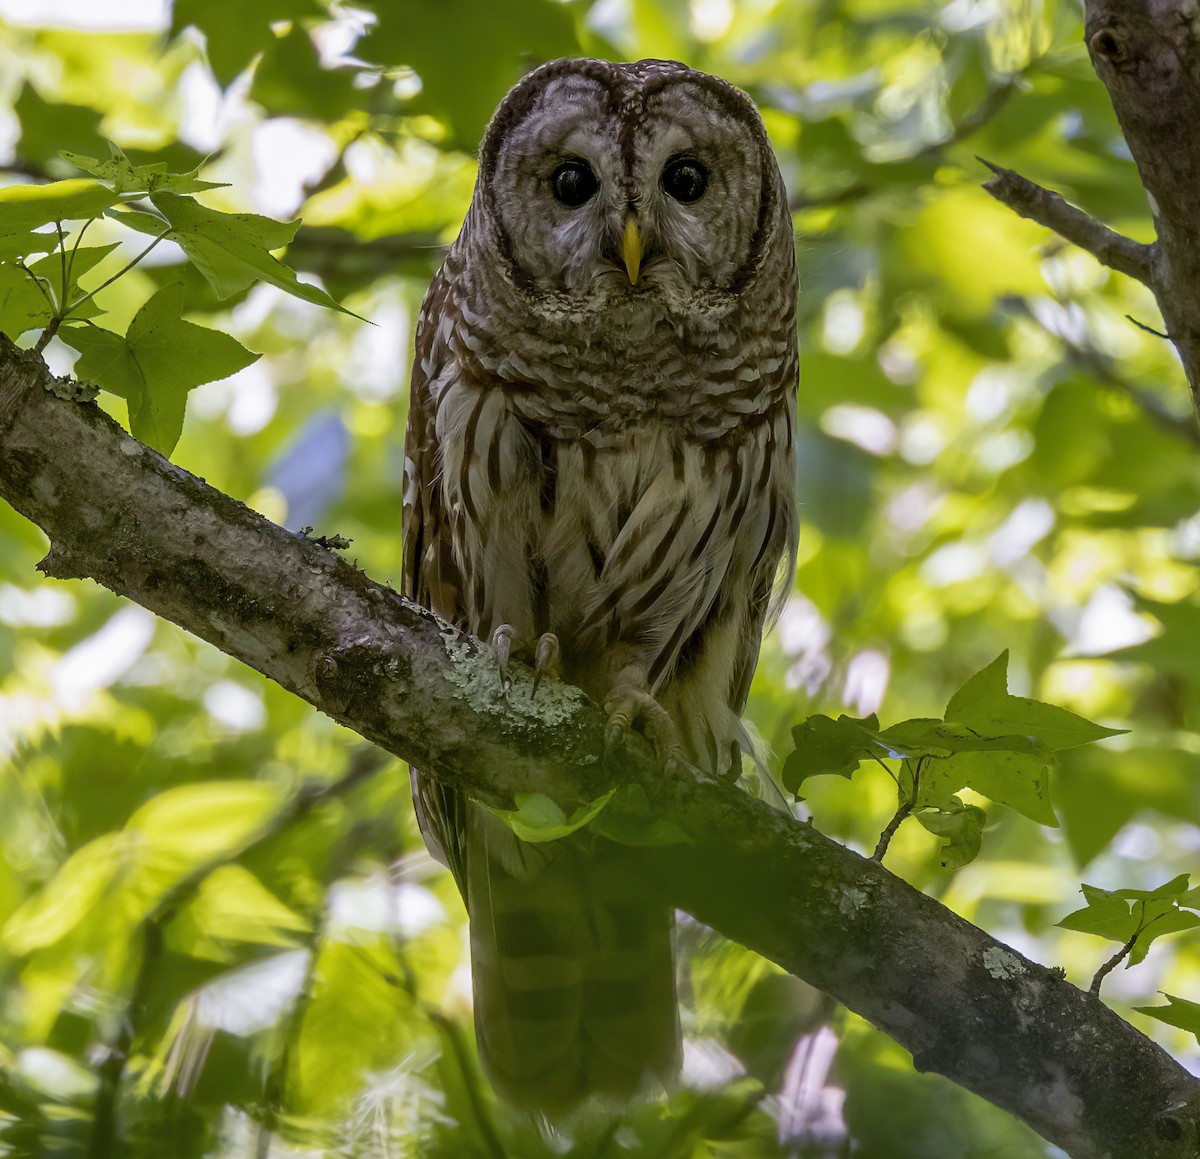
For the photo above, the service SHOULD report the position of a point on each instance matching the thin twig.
(1148, 329)
(902, 813)
(51, 329)
(885, 838)
(1108, 247)
(1112, 964)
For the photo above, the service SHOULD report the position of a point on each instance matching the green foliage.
(1178, 1012)
(536, 818)
(155, 364)
(1137, 916)
(990, 458)
(1001, 746)
(161, 357)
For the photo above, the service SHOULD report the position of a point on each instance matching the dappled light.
(220, 930)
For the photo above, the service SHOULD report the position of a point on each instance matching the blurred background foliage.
(220, 933)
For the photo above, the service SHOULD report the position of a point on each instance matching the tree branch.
(1112, 249)
(964, 1004)
(1147, 54)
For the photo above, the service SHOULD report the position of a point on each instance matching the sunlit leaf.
(128, 179)
(1178, 1012)
(155, 365)
(538, 818)
(25, 207)
(984, 705)
(232, 249)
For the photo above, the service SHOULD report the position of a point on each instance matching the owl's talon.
(627, 703)
(502, 642)
(545, 659)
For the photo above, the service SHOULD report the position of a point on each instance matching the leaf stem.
(38, 282)
(74, 251)
(62, 260)
(120, 273)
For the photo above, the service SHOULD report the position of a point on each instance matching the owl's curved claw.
(545, 659)
(630, 702)
(502, 642)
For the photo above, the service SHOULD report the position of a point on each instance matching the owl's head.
(609, 185)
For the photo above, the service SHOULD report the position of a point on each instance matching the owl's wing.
(430, 576)
(771, 579)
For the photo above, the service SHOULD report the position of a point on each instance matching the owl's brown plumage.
(600, 446)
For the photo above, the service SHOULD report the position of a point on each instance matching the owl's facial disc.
(610, 190)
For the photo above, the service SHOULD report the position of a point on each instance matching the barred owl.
(599, 478)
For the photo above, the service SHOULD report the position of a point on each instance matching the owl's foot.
(545, 654)
(630, 702)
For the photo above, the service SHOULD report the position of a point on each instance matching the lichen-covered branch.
(963, 1003)
(1030, 200)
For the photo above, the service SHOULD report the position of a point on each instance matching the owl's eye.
(573, 183)
(685, 179)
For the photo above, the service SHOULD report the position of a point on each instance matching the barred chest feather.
(647, 544)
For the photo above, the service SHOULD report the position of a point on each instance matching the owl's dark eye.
(685, 179)
(573, 183)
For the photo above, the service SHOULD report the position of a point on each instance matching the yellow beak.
(631, 249)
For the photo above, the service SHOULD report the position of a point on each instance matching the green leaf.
(19, 245)
(86, 258)
(983, 704)
(824, 745)
(925, 736)
(233, 906)
(289, 80)
(232, 249)
(234, 31)
(128, 179)
(193, 823)
(1019, 780)
(1178, 1012)
(1173, 921)
(494, 44)
(1175, 889)
(22, 305)
(48, 126)
(961, 829)
(156, 364)
(1106, 915)
(537, 818)
(25, 207)
(148, 223)
(80, 885)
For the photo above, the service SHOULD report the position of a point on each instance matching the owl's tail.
(573, 969)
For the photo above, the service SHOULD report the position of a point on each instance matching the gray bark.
(964, 1004)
